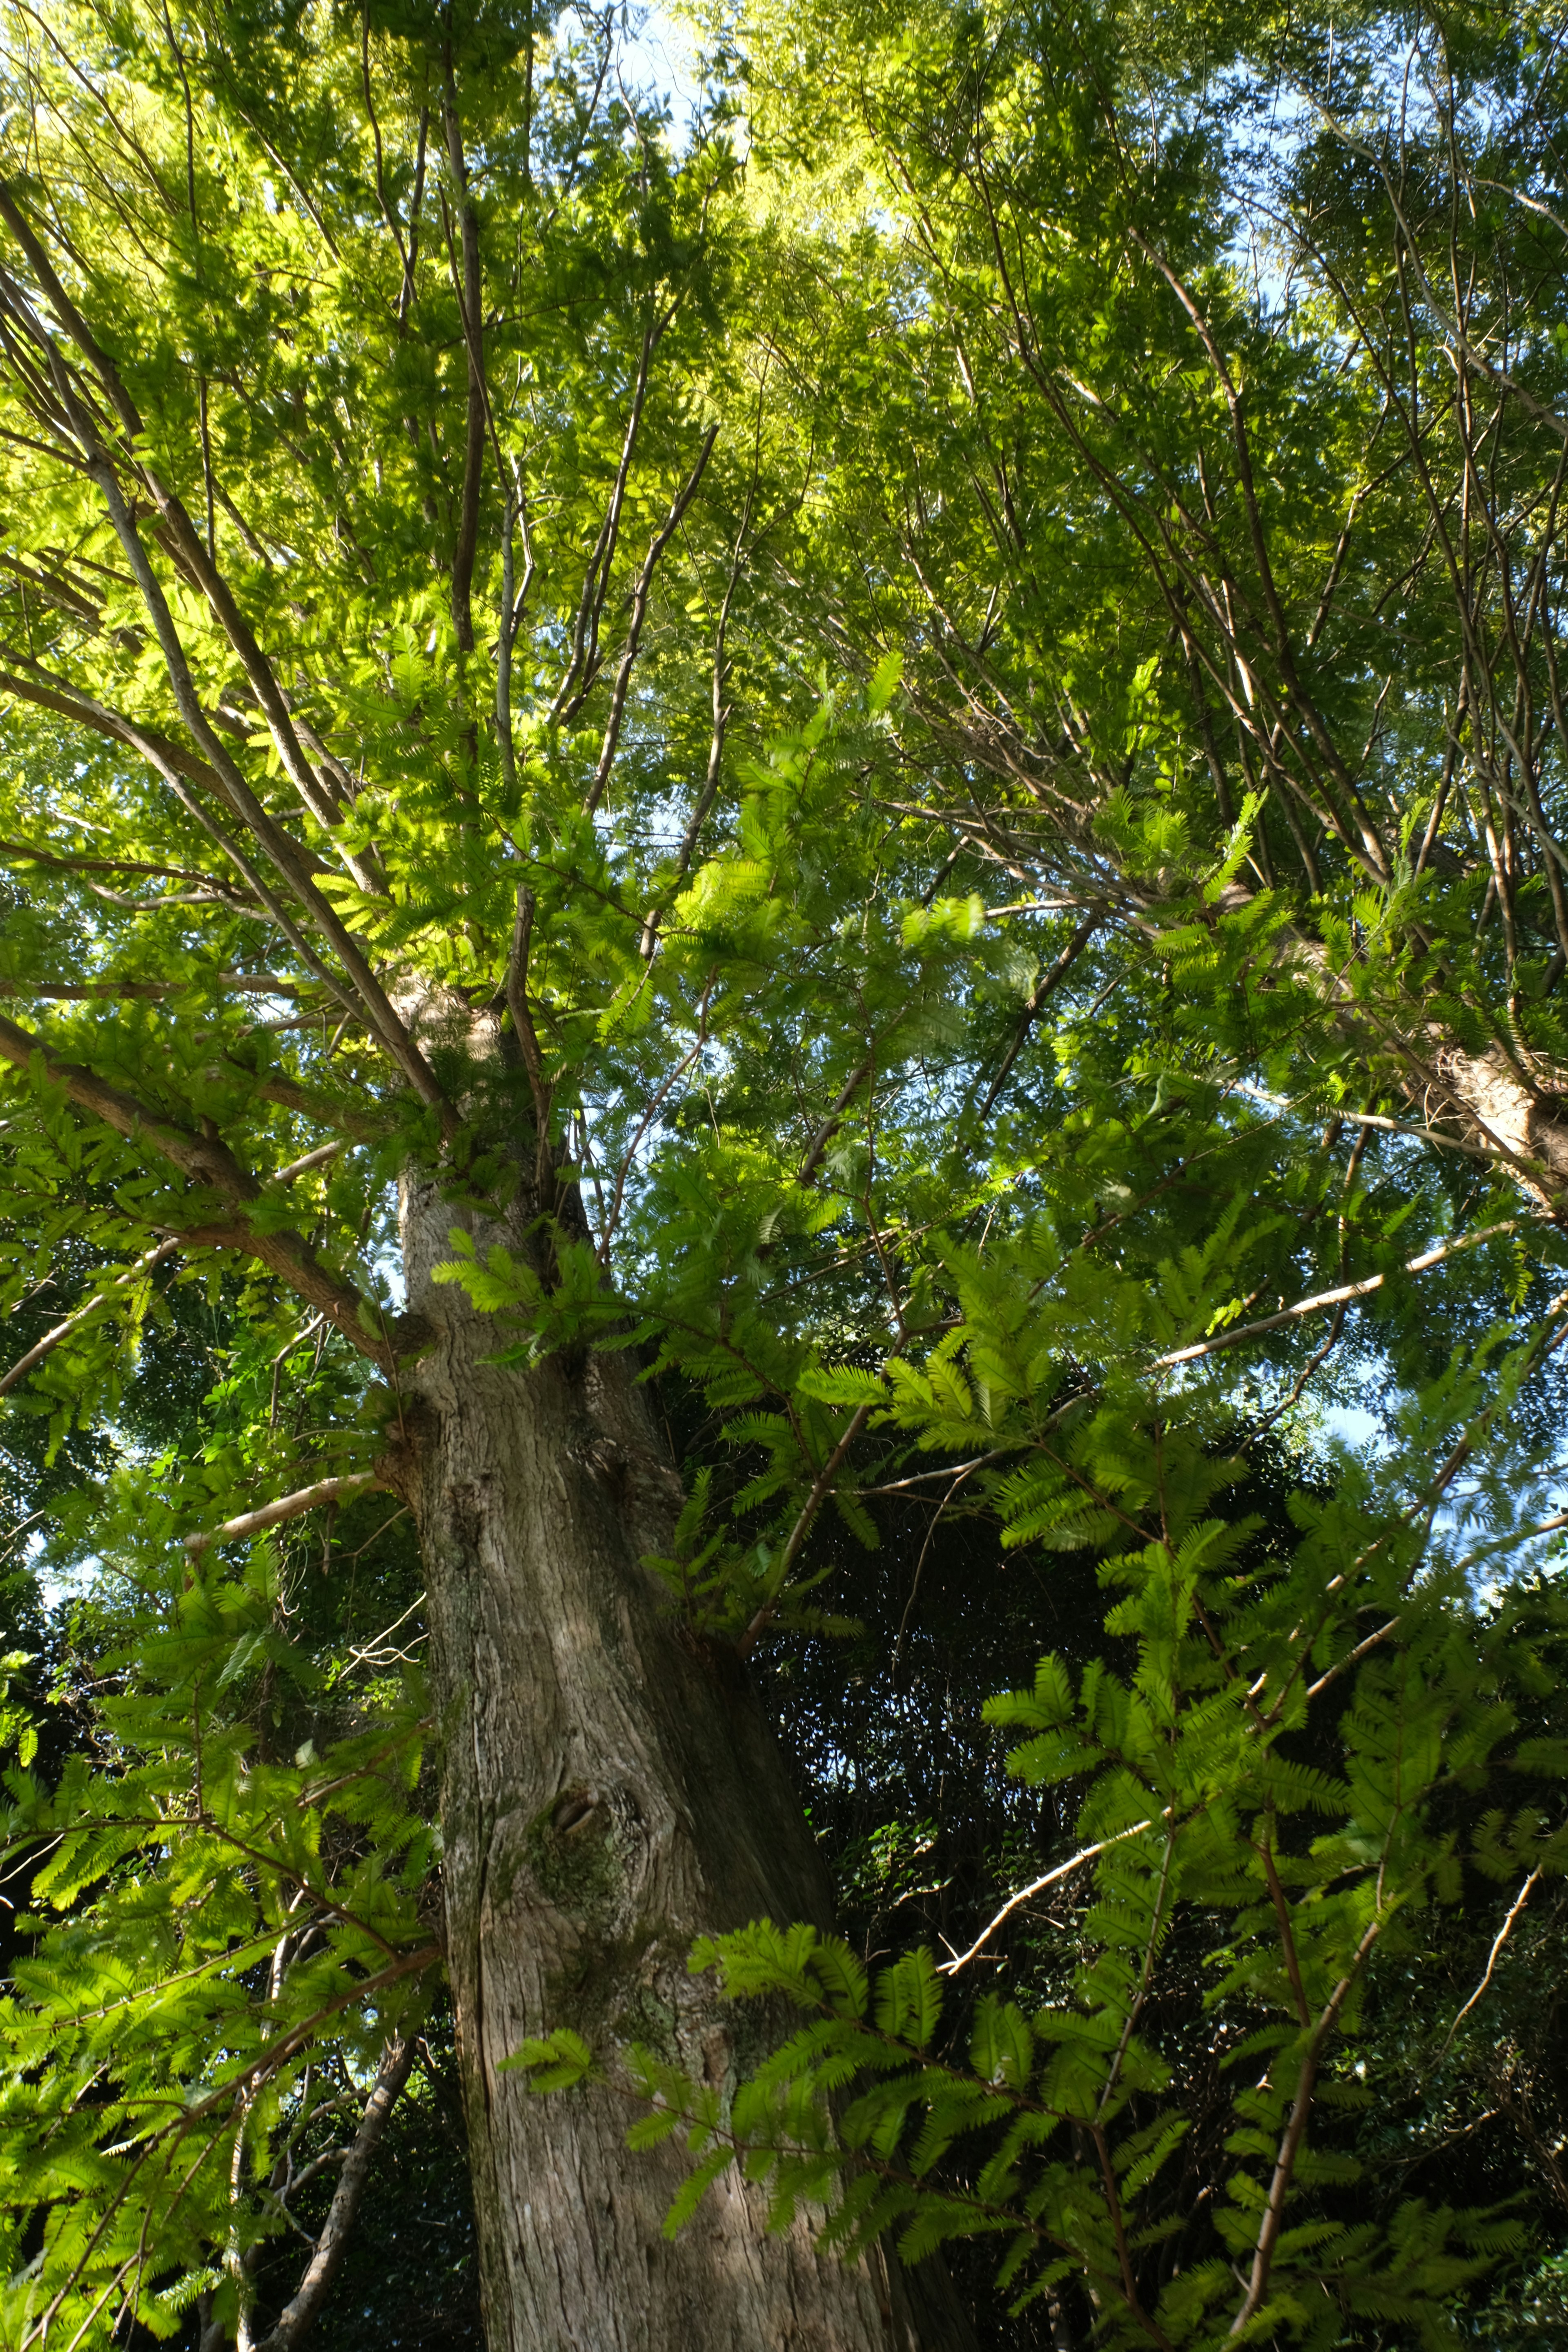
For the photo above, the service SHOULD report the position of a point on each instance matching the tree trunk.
(609, 1791)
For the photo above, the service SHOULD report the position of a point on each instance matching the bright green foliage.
(205, 1908)
(1266, 1783)
(977, 748)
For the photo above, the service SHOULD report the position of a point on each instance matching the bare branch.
(1038, 1885)
(1327, 1299)
(296, 2314)
(1499, 1940)
(286, 1507)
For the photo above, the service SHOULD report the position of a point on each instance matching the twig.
(948, 1470)
(1499, 1941)
(959, 1477)
(1038, 1885)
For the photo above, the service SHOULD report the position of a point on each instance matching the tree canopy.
(840, 837)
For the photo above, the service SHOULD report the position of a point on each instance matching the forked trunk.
(609, 1793)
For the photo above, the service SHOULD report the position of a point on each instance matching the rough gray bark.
(610, 1792)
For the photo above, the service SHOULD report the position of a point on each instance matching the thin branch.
(51, 1339)
(1327, 1299)
(286, 1507)
(301, 2309)
(826, 1133)
(317, 1158)
(1037, 1002)
(523, 1018)
(1038, 1885)
(656, 546)
(83, 865)
(470, 304)
(1498, 1942)
(86, 992)
(569, 697)
(801, 1527)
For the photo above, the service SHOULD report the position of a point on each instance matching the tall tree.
(358, 393)
(430, 505)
